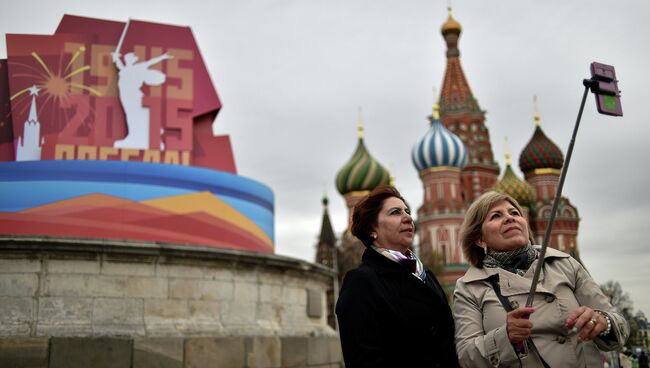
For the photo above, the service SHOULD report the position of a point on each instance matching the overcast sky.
(292, 73)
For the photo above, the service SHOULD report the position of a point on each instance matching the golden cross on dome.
(536, 107)
(360, 124)
(436, 107)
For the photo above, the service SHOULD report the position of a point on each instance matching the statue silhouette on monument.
(131, 77)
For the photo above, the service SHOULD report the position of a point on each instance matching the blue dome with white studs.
(439, 147)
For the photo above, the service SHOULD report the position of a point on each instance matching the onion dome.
(451, 25)
(540, 152)
(518, 189)
(439, 147)
(362, 172)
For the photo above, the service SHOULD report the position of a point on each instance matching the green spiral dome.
(361, 173)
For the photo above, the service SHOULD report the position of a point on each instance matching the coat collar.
(385, 266)
(380, 263)
(475, 273)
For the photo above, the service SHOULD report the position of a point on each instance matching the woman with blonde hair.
(570, 319)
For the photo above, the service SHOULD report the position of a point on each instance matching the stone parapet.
(78, 287)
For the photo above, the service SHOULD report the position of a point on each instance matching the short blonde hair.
(470, 230)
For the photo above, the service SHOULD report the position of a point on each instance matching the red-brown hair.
(366, 212)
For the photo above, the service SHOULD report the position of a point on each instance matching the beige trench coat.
(564, 285)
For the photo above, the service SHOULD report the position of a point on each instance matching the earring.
(373, 235)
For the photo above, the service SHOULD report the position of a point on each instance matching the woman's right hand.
(518, 324)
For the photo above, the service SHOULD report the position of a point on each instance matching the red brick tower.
(439, 157)
(461, 114)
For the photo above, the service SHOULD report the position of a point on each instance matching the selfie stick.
(558, 196)
(604, 85)
(519, 347)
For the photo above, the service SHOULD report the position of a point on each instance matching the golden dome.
(518, 189)
(451, 24)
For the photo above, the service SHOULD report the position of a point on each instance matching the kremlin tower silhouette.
(28, 147)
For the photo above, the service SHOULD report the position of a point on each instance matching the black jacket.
(389, 318)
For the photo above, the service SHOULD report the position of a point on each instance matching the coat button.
(550, 298)
(433, 330)
(494, 360)
(561, 339)
(515, 304)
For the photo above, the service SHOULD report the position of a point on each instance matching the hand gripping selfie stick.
(604, 85)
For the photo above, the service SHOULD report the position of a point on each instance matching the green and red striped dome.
(540, 153)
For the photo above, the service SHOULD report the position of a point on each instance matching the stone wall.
(193, 352)
(63, 298)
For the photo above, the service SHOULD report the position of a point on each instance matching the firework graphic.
(58, 72)
(56, 85)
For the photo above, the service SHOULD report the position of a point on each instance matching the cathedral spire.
(327, 255)
(462, 115)
(455, 95)
(451, 32)
(327, 236)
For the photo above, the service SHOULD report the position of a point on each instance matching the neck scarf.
(516, 261)
(401, 258)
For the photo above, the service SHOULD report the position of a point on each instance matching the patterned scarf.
(516, 261)
(401, 258)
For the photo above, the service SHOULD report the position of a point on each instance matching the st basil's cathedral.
(455, 164)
